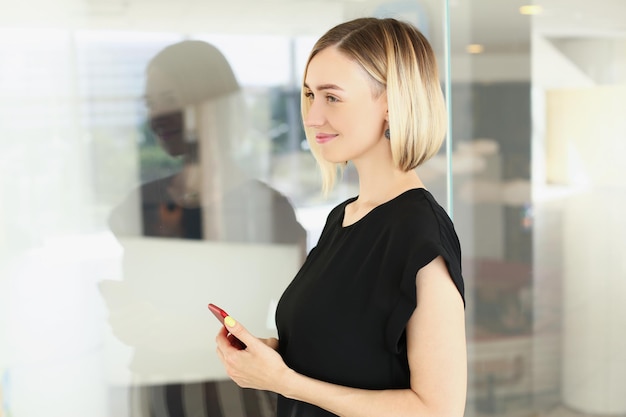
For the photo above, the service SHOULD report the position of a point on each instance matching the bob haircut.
(402, 64)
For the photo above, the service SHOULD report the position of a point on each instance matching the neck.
(380, 181)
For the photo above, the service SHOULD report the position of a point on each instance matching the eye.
(331, 99)
(309, 95)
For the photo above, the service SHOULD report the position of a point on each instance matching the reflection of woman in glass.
(373, 323)
(195, 111)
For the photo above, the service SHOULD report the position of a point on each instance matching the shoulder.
(262, 195)
(156, 190)
(424, 225)
(285, 221)
(416, 212)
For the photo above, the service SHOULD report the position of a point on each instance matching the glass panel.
(491, 160)
(538, 97)
(579, 195)
(99, 302)
(139, 181)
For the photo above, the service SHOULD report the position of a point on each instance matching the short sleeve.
(418, 256)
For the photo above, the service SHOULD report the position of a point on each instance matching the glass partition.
(491, 175)
(538, 98)
(152, 160)
(579, 97)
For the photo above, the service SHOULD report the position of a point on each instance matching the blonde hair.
(402, 64)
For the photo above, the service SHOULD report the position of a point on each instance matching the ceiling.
(497, 24)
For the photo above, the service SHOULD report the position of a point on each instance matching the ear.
(384, 105)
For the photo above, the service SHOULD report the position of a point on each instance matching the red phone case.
(221, 315)
(218, 312)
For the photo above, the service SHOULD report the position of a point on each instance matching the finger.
(236, 329)
(220, 355)
(222, 338)
(273, 343)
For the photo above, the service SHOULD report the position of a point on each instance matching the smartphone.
(221, 315)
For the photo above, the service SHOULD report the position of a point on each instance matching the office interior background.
(530, 174)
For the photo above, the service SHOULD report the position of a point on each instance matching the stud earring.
(387, 133)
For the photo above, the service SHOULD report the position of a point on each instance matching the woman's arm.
(436, 353)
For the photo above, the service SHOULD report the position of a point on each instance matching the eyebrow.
(325, 87)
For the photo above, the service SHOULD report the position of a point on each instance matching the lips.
(324, 137)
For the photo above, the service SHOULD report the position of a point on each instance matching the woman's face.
(165, 112)
(346, 117)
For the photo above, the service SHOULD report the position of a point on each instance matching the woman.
(373, 323)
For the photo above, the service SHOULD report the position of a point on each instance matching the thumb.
(236, 329)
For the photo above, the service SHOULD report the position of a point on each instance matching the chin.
(173, 148)
(334, 157)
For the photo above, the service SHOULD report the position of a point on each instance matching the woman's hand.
(257, 366)
(271, 342)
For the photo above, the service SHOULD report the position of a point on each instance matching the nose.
(315, 116)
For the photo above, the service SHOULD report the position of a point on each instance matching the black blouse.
(343, 317)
